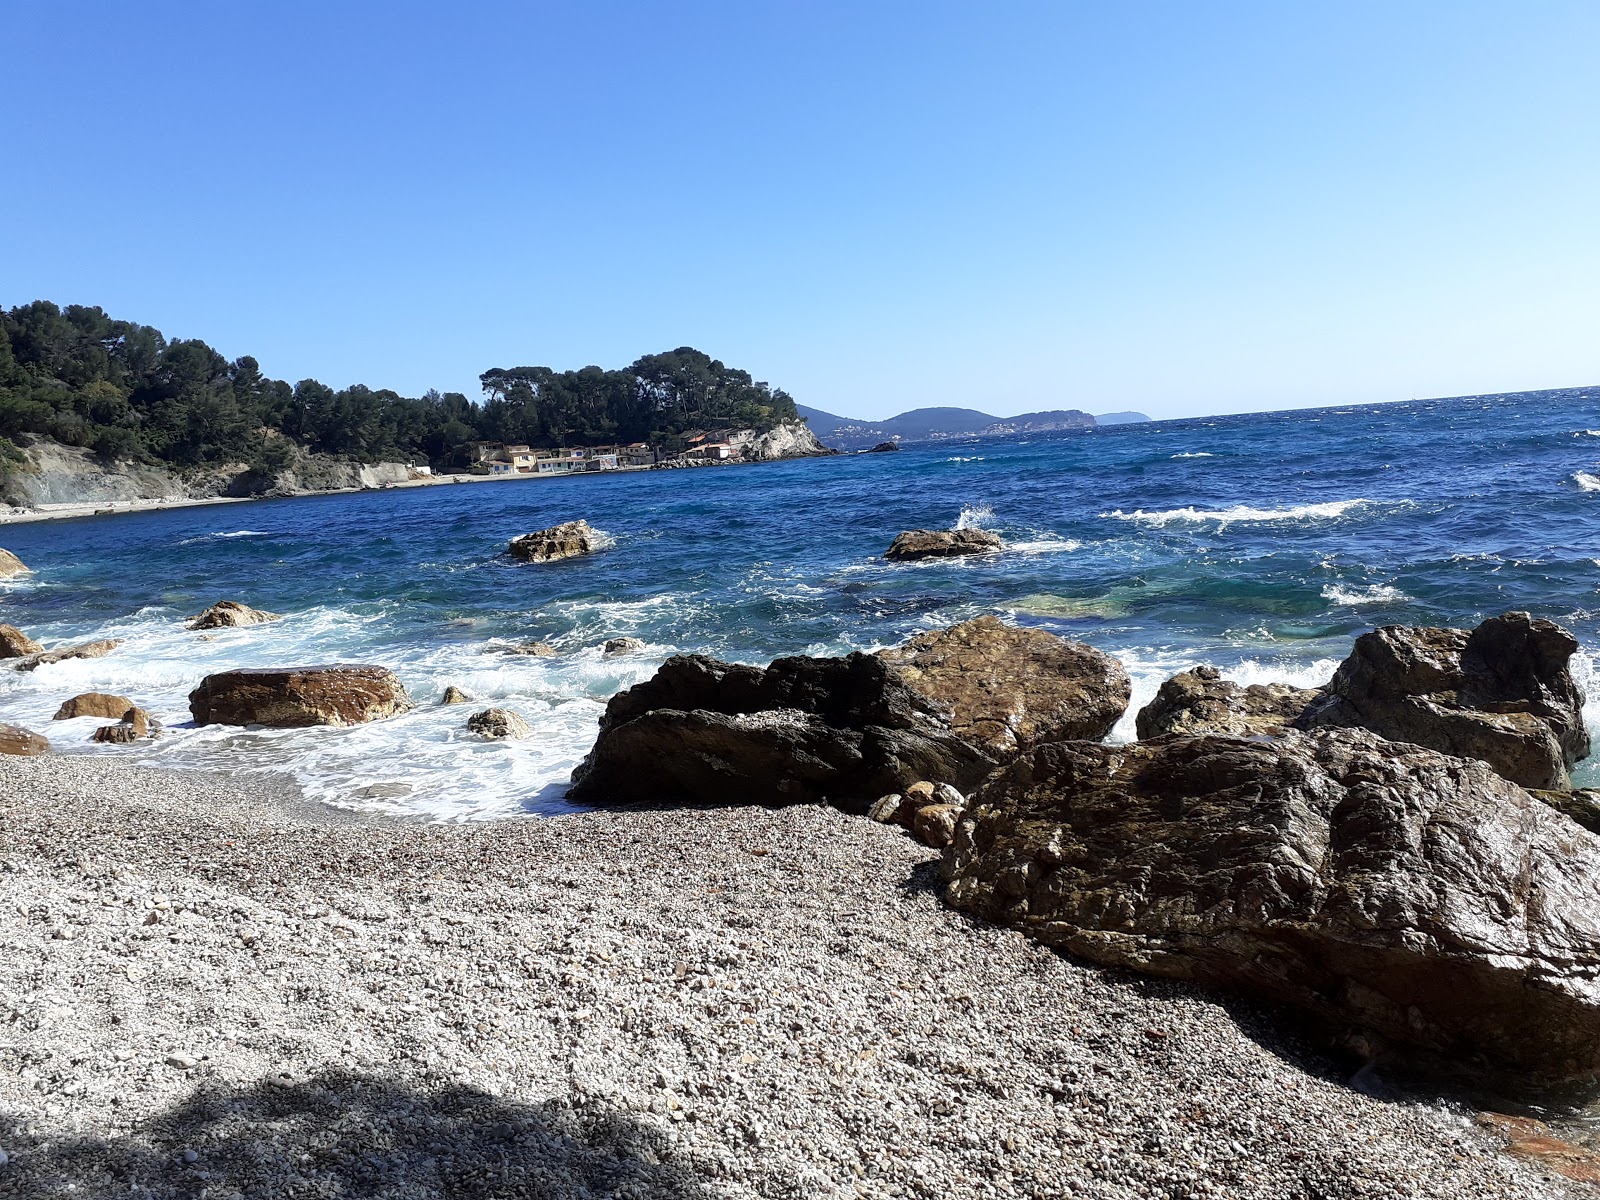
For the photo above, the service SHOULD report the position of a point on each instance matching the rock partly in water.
(915, 544)
(1008, 688)
(622, 645)
(1502, 694)
(11, 565)
(884, 447)
(16, 740)
(803, 730)
(16, 644)
(567, 540)
(87, 650)
(295, 697)
(1416, 902)
(1201, 701)
(499, 723)
(94, 704)
(1532, 1140)
(529, 649)
(454, 695)
(228, 614)
(136, 725)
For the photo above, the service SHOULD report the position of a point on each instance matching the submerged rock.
(11, 565)
(1503, 694)
(227, 614)
(1009, 688)
(884, 447)
(1201, 701)
(499, 723)
(803, 730)
(16, 740)
(94, 704)
(87, 650)
(1409, 899)
(16, 644)
(941, 543)
(567, 540)
(293, 697)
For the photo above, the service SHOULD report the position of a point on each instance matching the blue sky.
(1180, 208)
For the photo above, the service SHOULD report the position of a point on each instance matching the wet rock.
(11, 565)
(228, 614)
(94, 704)
(567, 540)
(1581, 804)
(1412, 901)
(136, 725)
(623, 645)
(499, 723)
(87, 650)
(1534, 1141)
(803, 730)
(1502, 694)
(16, 740)
(884, 447)
(294, 697)
(530, 649)
(16, 644)
(914, 544)
(1201, 701)
(454, 695)
(1009, 688)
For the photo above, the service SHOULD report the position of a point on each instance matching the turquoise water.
(1262, 544)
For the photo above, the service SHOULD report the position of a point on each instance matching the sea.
(1262, 544)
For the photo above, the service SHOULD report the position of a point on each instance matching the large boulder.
(16, 740)
(803, 730)
(1008, 689)
(16, 644)
(1503, 694)
(229, 614)
(1201, 701)
(94, 704)
(499, 723)
(294, 697)
(1416, 902)
(11, 565)
(96, 649)
(916, 544)
(567, 540)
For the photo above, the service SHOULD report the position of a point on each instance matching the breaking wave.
(1327, 511)
(1586, 481)
(1378, 593)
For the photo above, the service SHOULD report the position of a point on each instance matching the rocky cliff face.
(789, 440)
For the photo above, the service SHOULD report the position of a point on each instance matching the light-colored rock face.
(16, 740)
(16, 644)
(1009, 688)
(499, 723)
(567, 540)
(623, 645)
(1201, 701)
(94, 704)
(1502, 693)
(791, 439)
(294, 697)
(1418, 900)
(228, 614)
(11, 565)
(916, 544)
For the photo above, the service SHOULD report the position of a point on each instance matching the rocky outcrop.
(789, 439)
(1414, 901)
(97, 649)
(16, 644)
(622, 645)
(499, 723)
(294, 697)
(567, 540)
(454, 695)
(915, 544)
(229, 614)
(136, 726)
(1580, 804)
(803, 730)
(1201, 701)
(10, 565)
(884, 447)
(16, 740)
(94, 704)
(1502, 694)
(1009, 688)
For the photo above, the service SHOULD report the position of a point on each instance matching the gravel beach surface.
(209, 988)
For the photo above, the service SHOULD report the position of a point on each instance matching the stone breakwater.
(212, 990)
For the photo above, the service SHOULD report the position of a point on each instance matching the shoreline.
(209, 986)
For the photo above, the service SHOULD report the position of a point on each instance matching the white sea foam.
(969, 458)
(1194, 454)
(1586, 481)
(1378, 593)
(211, 537)
(973, 516)
(1587, 433)
(1149, 667)
(1238, 513)
(1043, 545)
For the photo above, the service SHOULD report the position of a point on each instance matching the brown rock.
(935, 824)
(16, 740)
(1534, 1141)
(94, 704)
(11, 565)
(498, 723)
(1008, 688)
(1411, 900)
(531, 649)
(1201, 701)
(941, 543)
(567, 540)
(87, 650)
(454, 695)
(136, 725)
(16, 644)
(294, 697)
(1581, 804)
(1503, 694)
(228, 614)
(920, 793)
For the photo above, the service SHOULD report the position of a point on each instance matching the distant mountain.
(938, 424)
(1121, 418)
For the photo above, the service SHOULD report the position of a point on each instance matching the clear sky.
(1174, 207)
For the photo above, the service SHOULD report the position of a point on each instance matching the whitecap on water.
(1190, 515)
(1194, 454)
(1586, 481)
(1377, 593)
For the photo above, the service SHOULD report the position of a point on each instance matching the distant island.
(940, 424)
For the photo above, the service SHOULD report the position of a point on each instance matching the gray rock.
(1201, 701)
(916, 544)
(499, 723)
(623, 645)
(567, 540)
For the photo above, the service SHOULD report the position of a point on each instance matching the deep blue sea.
(1262, 544)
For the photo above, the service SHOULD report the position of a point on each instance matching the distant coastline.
(920, 425)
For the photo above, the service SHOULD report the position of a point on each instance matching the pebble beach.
(210, 991)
